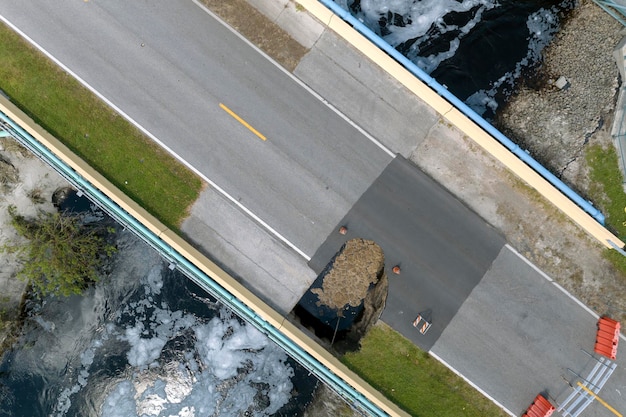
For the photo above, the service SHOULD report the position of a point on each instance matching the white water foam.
(213, 367)
(423, 20)
(542, 26)
(423, 23)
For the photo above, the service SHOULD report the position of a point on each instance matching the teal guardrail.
(465, 109)
(324, 374)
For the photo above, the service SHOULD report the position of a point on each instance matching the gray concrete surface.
(301, 26)
(518, 333)
(365, 93)
(265, 265)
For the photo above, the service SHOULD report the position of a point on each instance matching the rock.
(555, 124)
(562, 83)
(60, 195)
(9, 175)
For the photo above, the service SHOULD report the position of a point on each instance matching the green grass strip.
(413, 380)
(91, 129)
(608, 191)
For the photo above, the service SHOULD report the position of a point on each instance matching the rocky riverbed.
(555, 124)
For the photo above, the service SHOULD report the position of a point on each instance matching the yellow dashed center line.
(243, 122)
(604, 403)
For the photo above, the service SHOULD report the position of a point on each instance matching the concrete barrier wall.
(265, 314)
(462, 122)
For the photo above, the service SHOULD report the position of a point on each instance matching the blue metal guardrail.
(189, 269)
(465, 109)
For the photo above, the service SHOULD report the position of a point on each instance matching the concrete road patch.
(518, 333)
(274, 272)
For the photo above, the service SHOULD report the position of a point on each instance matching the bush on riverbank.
(60, 254)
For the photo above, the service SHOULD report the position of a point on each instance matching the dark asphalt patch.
(442, 247)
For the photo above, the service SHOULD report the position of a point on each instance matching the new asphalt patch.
(443, 248)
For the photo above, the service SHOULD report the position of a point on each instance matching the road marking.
(298, 81)
(600, 400)
(243, 122)
(557, 285)
(476, 387)
(219, 189)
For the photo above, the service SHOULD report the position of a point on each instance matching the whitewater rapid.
(146, 342)
(479, 49)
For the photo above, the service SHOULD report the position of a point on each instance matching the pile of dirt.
(358, 266)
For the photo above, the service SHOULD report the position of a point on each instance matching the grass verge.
(91, 129)
(607, 190)
(413, 380)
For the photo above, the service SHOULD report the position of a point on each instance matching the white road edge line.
(557, 285)
(299, 82)
(476, 387)
(543, 274)
(154, 138)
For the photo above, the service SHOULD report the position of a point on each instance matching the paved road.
(519, 334)
(169, 65)
(442, 247)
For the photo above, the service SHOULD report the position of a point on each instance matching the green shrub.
(60, 254)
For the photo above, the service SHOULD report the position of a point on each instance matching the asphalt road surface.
(169, 65)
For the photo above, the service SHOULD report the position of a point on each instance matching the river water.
(146, 341)
(478, 49)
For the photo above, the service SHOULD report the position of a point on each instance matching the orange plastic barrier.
(539, 408)
(607, 337)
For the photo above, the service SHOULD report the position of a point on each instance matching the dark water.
(478, 49)
(146, 341)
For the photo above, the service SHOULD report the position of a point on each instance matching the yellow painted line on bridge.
(243, 122)
(600, 400)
